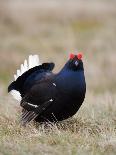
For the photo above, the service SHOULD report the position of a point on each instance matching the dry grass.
(91, 131)
(52, 29)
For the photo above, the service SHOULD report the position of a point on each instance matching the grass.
(52, 32)
(91, 131)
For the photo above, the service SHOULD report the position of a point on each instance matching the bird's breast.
(72, 83)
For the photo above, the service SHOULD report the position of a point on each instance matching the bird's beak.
(76, 63)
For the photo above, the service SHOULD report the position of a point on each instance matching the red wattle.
(72, 56)
(79, 56)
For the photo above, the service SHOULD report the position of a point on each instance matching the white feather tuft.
(16, 94)
(33, 61)
(15, 77)
(32, 105)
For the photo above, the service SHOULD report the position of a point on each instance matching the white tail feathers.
(16, 94)
(33, 61)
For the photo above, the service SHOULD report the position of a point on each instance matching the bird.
(46, 96)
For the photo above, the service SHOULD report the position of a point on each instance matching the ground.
(53, 29)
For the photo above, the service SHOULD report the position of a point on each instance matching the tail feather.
(32, 61)
(16, 95)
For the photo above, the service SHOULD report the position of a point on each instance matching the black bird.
(45, 96)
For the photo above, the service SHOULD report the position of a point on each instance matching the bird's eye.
(79, 56)
(72, 56)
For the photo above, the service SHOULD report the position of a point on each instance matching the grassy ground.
(53, 29)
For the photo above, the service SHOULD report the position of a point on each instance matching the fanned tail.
(32, 61)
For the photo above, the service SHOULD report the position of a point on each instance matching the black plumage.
(51, 97)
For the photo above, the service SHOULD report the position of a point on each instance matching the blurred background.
(52, 29)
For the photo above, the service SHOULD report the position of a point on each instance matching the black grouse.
(45, 96)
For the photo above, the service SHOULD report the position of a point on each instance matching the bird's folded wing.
(32, 111)
(19, 82)
(44, 66)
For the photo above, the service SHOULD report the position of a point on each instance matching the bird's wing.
(37, 100)
(33, 67)
(21, 79)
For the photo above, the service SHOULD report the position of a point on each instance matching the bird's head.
(75, 62)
